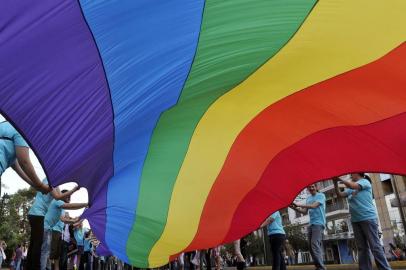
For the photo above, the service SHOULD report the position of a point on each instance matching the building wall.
(337, 213)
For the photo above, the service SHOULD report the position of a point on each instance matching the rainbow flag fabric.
(190, 121)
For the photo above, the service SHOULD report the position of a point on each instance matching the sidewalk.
(395, 265)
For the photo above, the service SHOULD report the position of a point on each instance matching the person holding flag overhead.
(14, 153)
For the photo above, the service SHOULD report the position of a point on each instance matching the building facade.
(339, 244)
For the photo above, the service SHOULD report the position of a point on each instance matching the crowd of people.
(58, 241)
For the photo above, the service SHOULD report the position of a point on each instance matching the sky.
(13, 182)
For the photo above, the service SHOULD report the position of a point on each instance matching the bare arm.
(69, 220)
(74, 206)
(57, 195)
(295, 207)
(309, 206)
(16, 167)
(267, 221)
(351, 185)
(337, 190)
(24, 161)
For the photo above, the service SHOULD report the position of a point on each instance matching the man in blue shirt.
(53, 215)
(316, 207)
(36, 218)
(364, 220)
(56, 240)
(79, 234)
(277, 238)
(14, 153)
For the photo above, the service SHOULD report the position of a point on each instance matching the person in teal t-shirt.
(277, 238)
(36, 216)
(53, 215)
(364, 219)
(87, 248)
(316, 207)
(79, 234)
(14, 153)
(56, 240)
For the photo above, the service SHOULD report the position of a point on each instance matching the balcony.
(337, 209)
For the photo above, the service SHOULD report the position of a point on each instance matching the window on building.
(330, 227)
(341, 226)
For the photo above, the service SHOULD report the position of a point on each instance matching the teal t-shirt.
(9, 139)
(59, 226)
(41, 203)
(361, 202)
(87, 245)
(78, 233)
(53, 214)
(317, 215)
(276, 226)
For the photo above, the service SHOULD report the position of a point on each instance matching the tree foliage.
(297, 237)
(14, 226)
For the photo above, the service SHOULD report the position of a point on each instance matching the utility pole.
(396, 191)
(267, 246)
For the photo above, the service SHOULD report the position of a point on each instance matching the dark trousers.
(208, 259)
(85, 260)
(36, 237)
(316, 245)
(63, 261)
(367, 239)
(277, 241)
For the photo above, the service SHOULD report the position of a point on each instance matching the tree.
(255, 246)
(399, 242)
(296, 237)
(14, 227)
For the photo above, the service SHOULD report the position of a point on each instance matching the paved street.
(395, 265)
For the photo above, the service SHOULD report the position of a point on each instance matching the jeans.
(367, 239)
(17, 264)
(45, 249)
(1, 260)
(36, 237)
(316, 245)
(278, 260)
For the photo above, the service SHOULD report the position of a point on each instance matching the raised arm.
(337, 190)
(74, 206)
(296, 207)
(267, 221)
(17, 168)
(351, 184)
(68, 220)
(58, 195)
(309, 206)
(24, 161)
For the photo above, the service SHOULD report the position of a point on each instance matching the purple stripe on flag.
(54, 90)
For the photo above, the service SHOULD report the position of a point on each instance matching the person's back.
(9, 139)
(19, 254)
(14, 148)
(53, 214)
(41, 202)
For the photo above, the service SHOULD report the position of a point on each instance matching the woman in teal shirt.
(364, 220)
(14, 153)
(277, 238)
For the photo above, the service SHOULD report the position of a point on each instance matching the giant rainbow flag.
(190, 121)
